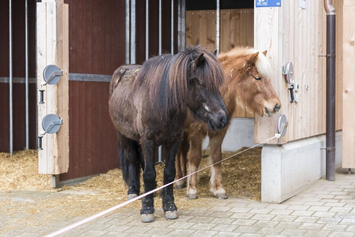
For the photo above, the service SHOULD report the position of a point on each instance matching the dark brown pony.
(247, 79)
(148, 107)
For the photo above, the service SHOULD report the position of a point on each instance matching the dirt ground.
(19, 176)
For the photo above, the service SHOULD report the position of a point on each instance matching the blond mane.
(262, 63)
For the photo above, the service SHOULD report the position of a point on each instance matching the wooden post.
(348, 84)
(53, 48)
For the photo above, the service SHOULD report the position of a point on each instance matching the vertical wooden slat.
(348, 85)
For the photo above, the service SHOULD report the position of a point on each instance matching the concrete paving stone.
(136, 229)
(281, 212)
(225, 228)
(343, 197)
(260, 210)
(182, 232)
(317, 233)
(201, 219)
(237, 204)
(302, 213)
(327, 200)
(241, 209)
(348, 222)
(333, 189)
(307, 195)
(244, 222)
(334, 204)
(329, 220)
(204, 233)
(220, 209)
(293, 232)
(311, 226)
(323, 214)
(318, 208)
(222, 220)
(288, 225)
(262, 217)
(341, 234)
(286, 218)
(113, 234)
(227, 234)
(203, 226)
(320, 191)
(351, 228)
(242, 215)
(304, 219)
(94, 233)
(341, 209)
(337, 193)
(321, 196)
(268, 230)
(251, 235)
(201, 213)
(221, 214)
(320, 203)
(298, 207)
(181, 225)
(160, 231)
(258, 204)
(184, 218)
(335, 227)
(278, 206)
(266, 223)
(248, 229)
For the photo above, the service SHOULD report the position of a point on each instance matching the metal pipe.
(217, 25)
(10, 77)
(183, 24)
(172, 26)
(133, 31)
(179, 25)
(330, 97)
(160, 33)
(127, 30)
(26, 76)
(146, 29)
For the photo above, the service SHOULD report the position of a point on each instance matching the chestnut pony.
(247, 78)
(148, 106)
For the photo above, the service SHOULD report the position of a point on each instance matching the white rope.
(91, 218)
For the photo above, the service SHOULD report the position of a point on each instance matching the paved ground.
(324, 209)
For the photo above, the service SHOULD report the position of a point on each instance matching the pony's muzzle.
(218, 120)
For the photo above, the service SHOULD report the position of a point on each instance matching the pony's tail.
(124, 165)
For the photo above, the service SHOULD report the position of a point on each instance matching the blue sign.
(268, 3)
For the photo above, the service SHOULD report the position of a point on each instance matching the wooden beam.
(53, 48)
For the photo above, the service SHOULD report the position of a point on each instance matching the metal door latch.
(287, 72)
(51, 124)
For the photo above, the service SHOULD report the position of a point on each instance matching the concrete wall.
(240, 134)
(290, 168)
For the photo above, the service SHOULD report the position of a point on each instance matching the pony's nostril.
(277, 107)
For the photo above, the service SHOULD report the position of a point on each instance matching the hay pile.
(241, 178)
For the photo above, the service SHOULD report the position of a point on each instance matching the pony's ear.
(265, 52)
(253, 57)
(215, 52)
(199, 60)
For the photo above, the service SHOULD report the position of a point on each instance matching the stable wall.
(293, 34)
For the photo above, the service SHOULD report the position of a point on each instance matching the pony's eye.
(258, 78)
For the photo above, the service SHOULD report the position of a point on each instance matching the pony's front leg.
(180, 163)
(194, 163)
(169, 206)
(216, 174)
(149, 176)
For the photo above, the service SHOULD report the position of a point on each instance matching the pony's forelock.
(263, 65)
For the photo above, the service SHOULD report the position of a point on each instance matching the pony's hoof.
(131, 196)
(222, 196)
(147, 218)
(180, 186)
(192, 196)
(171, 215)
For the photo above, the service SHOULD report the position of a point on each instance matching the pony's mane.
(262, 63)
(166, 76)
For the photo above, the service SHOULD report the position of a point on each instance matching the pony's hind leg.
(180, 163)
(216, 174)
(129, 156)
(169, 206)
(194, 162)
(149, 175)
